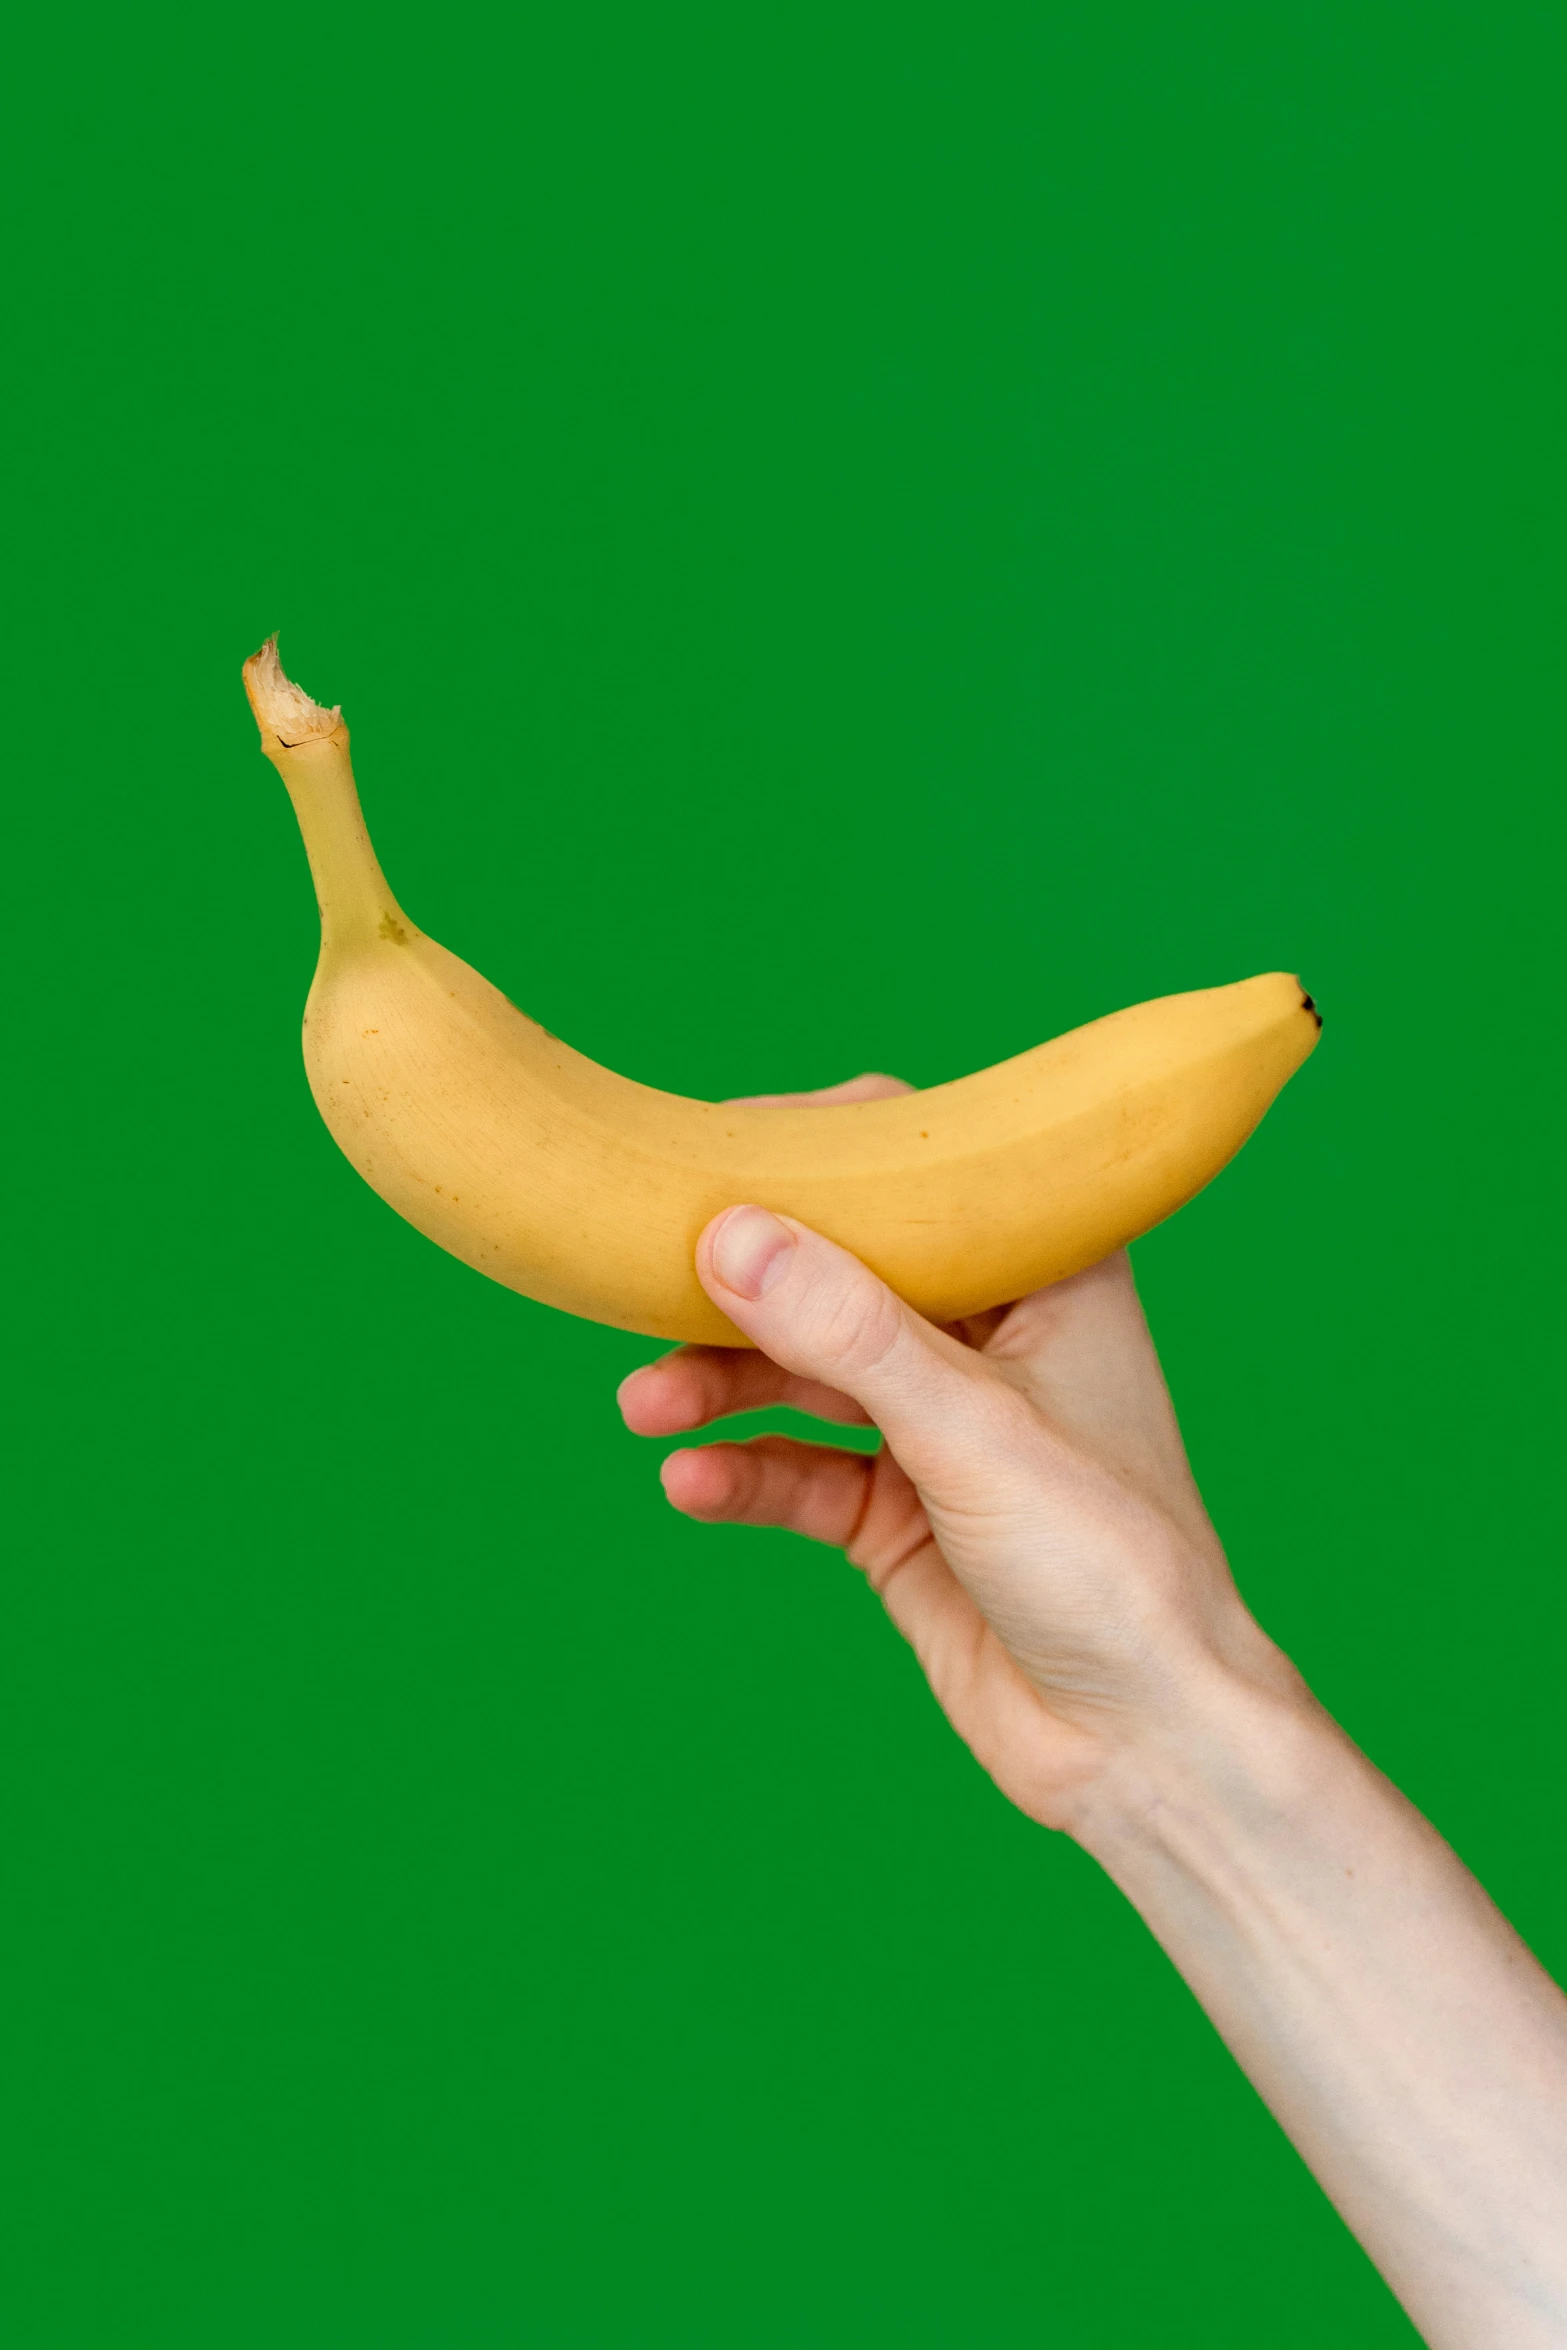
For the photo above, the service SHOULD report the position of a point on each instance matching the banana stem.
(309, 748)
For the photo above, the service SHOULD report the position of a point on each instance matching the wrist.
(1239, 1750)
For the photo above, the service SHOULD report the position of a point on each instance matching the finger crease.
(867, 1496)
(879, 1572)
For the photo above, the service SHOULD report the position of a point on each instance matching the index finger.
(696, 1384)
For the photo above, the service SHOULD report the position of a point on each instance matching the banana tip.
(281, 707)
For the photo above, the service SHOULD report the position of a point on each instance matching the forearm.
(1402, 2034)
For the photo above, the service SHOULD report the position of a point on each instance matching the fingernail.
(751, 1251)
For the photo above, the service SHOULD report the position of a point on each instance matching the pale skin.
(1033, 1529)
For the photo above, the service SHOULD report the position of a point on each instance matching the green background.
(848, 536)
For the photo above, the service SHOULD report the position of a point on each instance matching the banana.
(588, 1191)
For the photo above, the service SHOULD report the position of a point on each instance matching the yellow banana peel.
(588, 1191)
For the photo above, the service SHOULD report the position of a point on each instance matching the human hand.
(1030, 1523)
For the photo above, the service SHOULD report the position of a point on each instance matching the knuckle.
(753, 1474)
(858, 1326)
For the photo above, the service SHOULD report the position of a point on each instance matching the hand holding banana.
(589, 1192)
(1030, 1524)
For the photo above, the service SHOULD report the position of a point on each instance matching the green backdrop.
(848, 536)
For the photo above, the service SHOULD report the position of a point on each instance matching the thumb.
(821, 1313)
